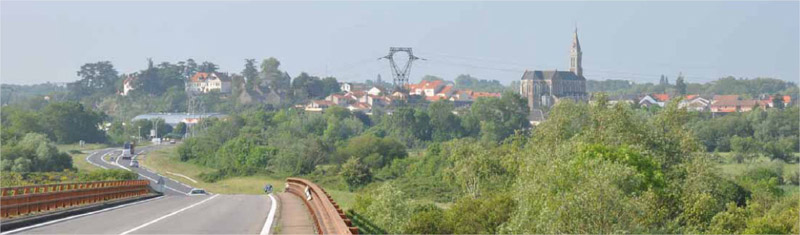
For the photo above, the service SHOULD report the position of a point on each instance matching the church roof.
(550, 75)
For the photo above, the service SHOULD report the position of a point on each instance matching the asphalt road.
(171, 187)
(174, 213)
(205, 214)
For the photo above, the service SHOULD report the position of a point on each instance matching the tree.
(777, 101)
(190, 69)
(431, 78)
(208, 67)
(307, 87)
(273, 77)
(34, 153)
(498, 118)
(373, 151)
(330, 86)
(96, 78)
(680, 86)
(70, 122)
(250, 74)
(180, 129)
(355, 173)
(445, 124)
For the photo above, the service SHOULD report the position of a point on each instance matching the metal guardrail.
(15, 201)
(328, 217)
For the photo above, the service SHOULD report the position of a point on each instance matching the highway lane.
(205, 214)
(171, 187)
(174, 213)
(226, 214)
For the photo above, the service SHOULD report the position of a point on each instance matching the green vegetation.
(728, 85)
(431, 167)
(11, 179)
(165, 161)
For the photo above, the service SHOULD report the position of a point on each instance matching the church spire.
(576, 55)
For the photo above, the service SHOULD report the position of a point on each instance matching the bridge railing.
(328, 217)
(16, 201)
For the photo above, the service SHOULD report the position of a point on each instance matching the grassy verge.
(79, 159)
(732, 170)
(165, 161)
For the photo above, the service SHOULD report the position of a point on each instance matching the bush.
(355, 173)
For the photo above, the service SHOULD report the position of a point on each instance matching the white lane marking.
(270, 217)
(77, 216)
(95, 164)
(187, 177)
(142, 175)
(168, 215)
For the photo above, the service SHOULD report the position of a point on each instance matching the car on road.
(134, 163)
(198, 191)
(172, 142)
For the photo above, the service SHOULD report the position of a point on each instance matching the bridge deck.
(294, 216)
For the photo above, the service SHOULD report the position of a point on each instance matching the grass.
(165, 160)
(732, 170)
(79, 159)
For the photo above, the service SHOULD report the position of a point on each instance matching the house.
(446, 92)
(695, 103)
(426, 88)
(375, 91)
(768, 100)
(654, 99)
(203, 82)
(318, 105)
(339, 99)
(364, 107)
(127, 84)
(722, 104)
(345, 86)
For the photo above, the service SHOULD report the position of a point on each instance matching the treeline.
(750, 88)
(587, 169)
(29, 135)
(12, 179)
(294, 142)
(773, 133)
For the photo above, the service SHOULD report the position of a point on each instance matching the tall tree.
(96, 78)
(208, 67)
(191, 68)
(680, 86)
(250, 74)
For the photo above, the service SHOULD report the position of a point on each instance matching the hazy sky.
(49, 41)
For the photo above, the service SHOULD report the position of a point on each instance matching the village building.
(207, 82)
(543, 89)
(128, 84)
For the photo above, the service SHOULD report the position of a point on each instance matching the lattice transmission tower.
(400, 76)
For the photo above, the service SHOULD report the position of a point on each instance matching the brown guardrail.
(328, 217)
(15, 201)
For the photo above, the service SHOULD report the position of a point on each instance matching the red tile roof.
(661, 97)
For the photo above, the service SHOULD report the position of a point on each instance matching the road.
(206, 214)
(171, 187)
(174, 213)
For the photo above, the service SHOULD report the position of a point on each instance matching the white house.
(208, 82)
(375, 91)
(345, 86)
(127, 84)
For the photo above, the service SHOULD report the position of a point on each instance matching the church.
(543, 89)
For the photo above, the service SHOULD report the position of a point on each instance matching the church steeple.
(576, 55)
